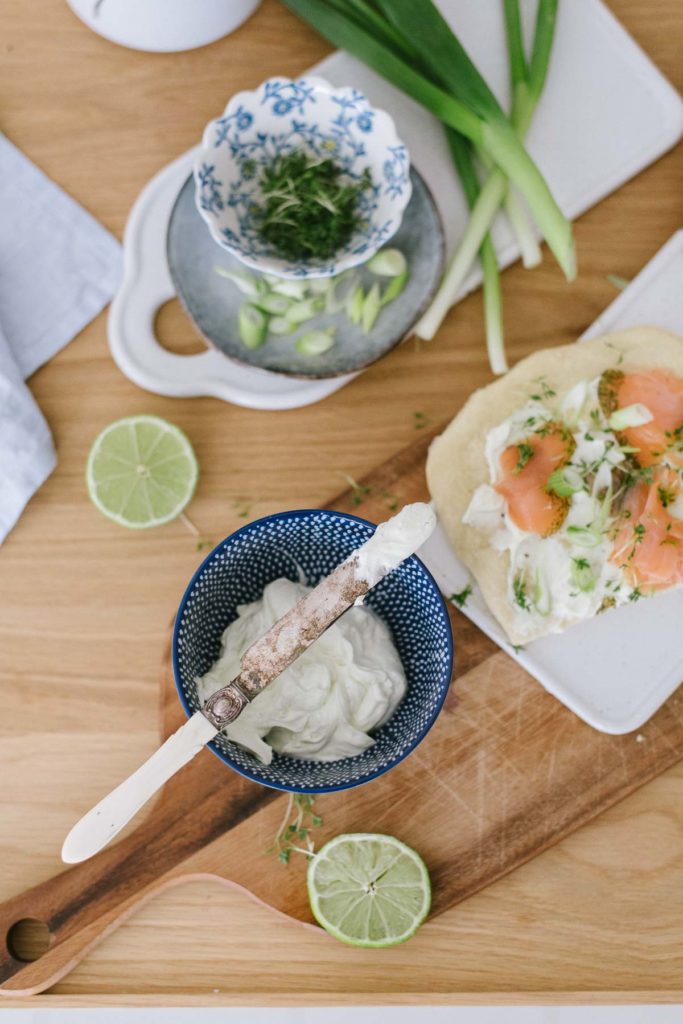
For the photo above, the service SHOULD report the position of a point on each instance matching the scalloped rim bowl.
(283, 115)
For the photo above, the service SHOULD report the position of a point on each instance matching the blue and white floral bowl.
(284, 115)
(314, 542)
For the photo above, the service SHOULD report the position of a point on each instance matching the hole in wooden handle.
(175, 332)
(28, 939)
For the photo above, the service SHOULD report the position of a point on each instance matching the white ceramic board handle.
(99, 826)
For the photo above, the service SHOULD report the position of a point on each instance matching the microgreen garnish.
(619, 282)
(611, 344)
(582, 574)
(420, 420)
(666, 497)
(636, 594)
(675, 439)
(296, 828)
(391, 500)
(201, 541)
(460, 599)
(517, 648)
(310, 208)
(525, 452)
(359, 491)
(543, 390)
(519, 590)
(242, 507)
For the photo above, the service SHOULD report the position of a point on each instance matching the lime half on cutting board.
(141, 472)
(369, 890)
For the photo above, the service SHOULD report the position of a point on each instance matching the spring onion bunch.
(413, 47)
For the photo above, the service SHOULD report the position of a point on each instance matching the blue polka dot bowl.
(315, 542)
(306, 114)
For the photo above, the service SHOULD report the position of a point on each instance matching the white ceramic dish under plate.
(606, 113)
(617, 669)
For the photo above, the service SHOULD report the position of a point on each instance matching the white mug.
(163, 25)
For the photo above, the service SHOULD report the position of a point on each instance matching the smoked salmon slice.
(649, 541)
(660, 440)
(525, 470)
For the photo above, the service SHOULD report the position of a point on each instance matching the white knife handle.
(99, 826)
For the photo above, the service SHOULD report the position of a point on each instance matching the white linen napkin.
(58, 269)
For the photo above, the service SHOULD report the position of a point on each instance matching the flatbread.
(456, 464)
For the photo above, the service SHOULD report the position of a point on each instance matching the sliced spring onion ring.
(354, 305)
(304, 310)
(252, 325)
(272, 303)
(394, 288)
(564, 482)
(582, 576)
(630, 416)
(583, 536)
(314, 343)
(247, 283)
(280, 325)
(292, 289)
(387, 263)
(371, 307)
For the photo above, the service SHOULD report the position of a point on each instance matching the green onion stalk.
(527, 86)
(390, 38)
(461, 151)
(470, 107)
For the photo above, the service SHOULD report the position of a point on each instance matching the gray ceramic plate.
(212, 301)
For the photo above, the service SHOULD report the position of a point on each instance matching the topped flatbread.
(560, 486)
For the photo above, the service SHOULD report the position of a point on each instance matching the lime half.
(369, 890)
(141, 471)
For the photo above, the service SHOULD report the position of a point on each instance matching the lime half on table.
(369, 890)
(141, 472)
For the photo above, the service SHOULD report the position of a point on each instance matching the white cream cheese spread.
(325, 704)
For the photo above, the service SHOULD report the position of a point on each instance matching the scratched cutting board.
(505, 772)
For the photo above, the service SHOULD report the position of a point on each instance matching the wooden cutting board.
(505, 772)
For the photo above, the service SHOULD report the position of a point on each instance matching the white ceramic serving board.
(605, 114)
(617, 669)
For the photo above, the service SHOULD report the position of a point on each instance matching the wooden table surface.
(84, 605)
